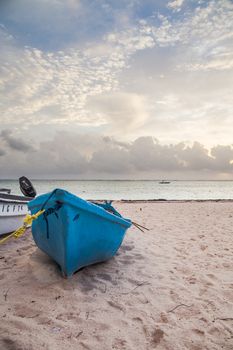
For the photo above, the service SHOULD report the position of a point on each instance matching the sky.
(127, 89)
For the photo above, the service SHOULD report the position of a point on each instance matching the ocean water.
(133, 189)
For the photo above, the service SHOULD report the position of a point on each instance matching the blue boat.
(75, 232)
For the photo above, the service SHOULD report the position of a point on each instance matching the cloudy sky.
(116, 89)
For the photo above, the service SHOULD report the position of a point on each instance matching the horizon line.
(158, 180)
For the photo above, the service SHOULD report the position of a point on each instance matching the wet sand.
(169, 288)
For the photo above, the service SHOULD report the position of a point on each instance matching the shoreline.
(161, 200)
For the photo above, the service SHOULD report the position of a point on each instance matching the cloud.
(175, 5)
(53, 88)
(148, 154)
(120, 110)
(15, 143)
(223, 157)
(112, 160)
(196, 157)
(203, 35)
(223, 62)
(71, 155)
(150, 72)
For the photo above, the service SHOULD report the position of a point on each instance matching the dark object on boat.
(26, 187)
(5, 190)
(164, 182)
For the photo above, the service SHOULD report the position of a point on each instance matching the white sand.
(170, 288)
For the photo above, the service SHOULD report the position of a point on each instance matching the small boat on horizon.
(163, 182)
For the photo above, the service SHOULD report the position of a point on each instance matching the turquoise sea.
(117, 189)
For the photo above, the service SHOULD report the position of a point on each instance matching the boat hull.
(11, 216)
(74, 232)
(10, 224)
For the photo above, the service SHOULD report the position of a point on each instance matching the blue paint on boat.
(75, 232)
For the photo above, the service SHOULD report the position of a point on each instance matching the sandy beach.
(170, 288)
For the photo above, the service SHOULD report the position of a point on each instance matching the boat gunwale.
(68, 198)
(11, 198)
(12, 202)
(12, 216)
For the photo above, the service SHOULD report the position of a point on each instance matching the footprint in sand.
(126, 248)
(120, 344)
(9, 344)
(116, 305)
(199, 332)
(25, 248)
(157, 336)
(104, 276)
(127, 260)
(68, 316)
(163, 318)
(214, 331)
(25, 311)
(210, 275)
(192, 280)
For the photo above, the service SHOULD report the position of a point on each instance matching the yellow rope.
(26, 222)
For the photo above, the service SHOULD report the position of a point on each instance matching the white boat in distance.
(13, 209)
